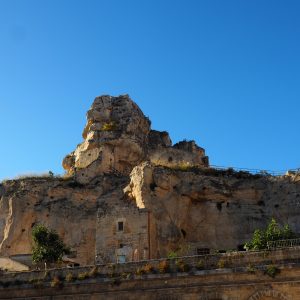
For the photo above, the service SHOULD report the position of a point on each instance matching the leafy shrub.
(163, 266)
(112, 266)
(47, 245)
(200, 265)
(172, 255)
(126, 275)
(221, 263)
(273, 232)
(56, 282)
(36, 176)
(184, 167)
(111, 126)
(182, 266)
(116, 281)
(140, 271)
(251, 269)
(182, 250)
(148, 268)
(69, 277)
(218, 172)
(272, 271)
(112, 271)
(82, 276)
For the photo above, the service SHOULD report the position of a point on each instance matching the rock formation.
(117, 137)
(126, 180)
(211, 209)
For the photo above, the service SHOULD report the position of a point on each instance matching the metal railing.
(252, 171)
(283, 243)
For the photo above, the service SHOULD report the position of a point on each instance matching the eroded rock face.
(166, 195)
(183, 154)
(115, 136)
(210, 209)
(61, 204)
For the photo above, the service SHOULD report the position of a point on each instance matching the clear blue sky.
(225, 73)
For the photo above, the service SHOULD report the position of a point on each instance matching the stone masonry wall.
(239, 281)
(122, 233)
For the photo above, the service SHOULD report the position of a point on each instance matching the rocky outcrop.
(117, 137)
(127, 171)
(183, 154)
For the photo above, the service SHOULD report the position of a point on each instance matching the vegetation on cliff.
(48, 247)
(273, 232)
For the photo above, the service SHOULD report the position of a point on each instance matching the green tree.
(48, 247)
(273, 232)
(288, 233)
(258, 241)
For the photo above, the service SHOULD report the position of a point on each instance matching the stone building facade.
(122, 234)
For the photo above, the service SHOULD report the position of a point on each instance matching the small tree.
(273, 232)
(48, 247)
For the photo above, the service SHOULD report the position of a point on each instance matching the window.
(120, 226)
(121, 259)
(202, 251)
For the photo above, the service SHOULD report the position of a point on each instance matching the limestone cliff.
(62, 204)
(123, 167)
(208, 208)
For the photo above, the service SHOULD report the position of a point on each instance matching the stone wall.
(213, 286)
(237, 282)
(122, 234)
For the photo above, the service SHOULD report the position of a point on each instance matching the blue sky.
(224, 73)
